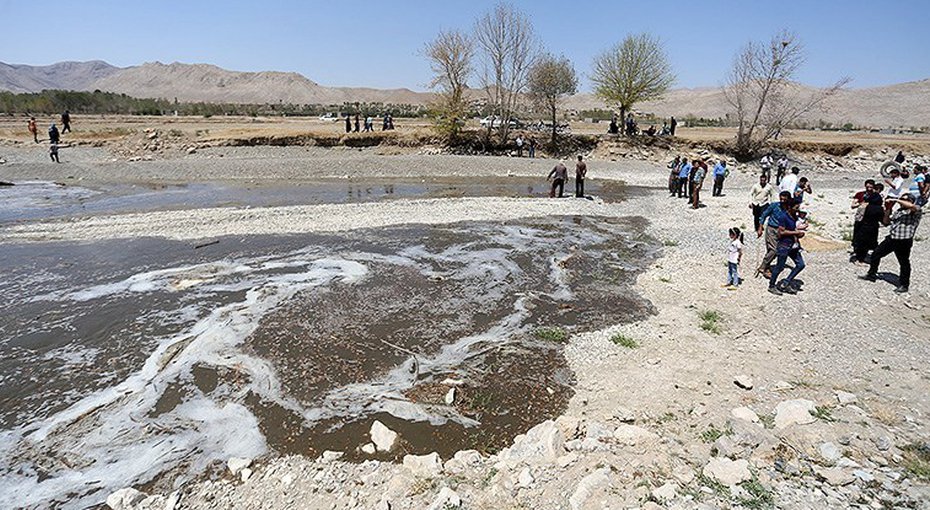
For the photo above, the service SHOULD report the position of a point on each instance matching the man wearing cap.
(904, 223)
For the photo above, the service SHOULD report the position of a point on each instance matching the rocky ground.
(722, 399)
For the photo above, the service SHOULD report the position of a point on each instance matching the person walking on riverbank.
(720, 173)
(788, 246)
(581, 171)
(790, 182)
(734, 256)
(673, 124)
(53, 135)
(53, 152)
(558, 175)
(769, 221)
(348, 123)
(697, 182)
(34, 129)
(869, 215)
(761, 195)
(900, 239)
(66, 122)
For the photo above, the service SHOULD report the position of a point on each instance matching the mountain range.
(899, 105)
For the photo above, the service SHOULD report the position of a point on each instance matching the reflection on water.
(126, 361)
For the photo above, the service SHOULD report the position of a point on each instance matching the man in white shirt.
(790, 182)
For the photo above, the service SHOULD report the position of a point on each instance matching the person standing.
(760, 196)
(673, 166)
(532, 147)
(766, 164)
(356, 123)
(558, 175)
(384, 123)
(348, 123)
(581, 171)
(790, 182)
(900, 239)
(918, 188)
(865, 228)
(673, 124)
(519, 142)
(697, 181)
(66, 122)
(720, 173)
(780, 169)
(734, 256)
(34, 129)
(53, 135)
(895, 187)
(684, 178)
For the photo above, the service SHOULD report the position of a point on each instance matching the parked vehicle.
(495, 122)
(329, 117)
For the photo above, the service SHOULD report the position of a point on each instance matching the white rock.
(446, 499)
(864, 475)
(566, 460)
(174, 501)
(568, 425)
(666, 493)
(846, 398)
(632, 435)
(624, 415)
(726, 471)
(450, 396)
(541, 444)
(236, 464)
(384, 438)
(245, 474)
(794, 412)
(468, 457)
(424, 466)
(125, 499)
(829, 452)
(745, 414)
(834, 476)
(369, 448)
(525, 480)
(330, 456)
(383, 505)
(743, 381)
(782, 386)
(452, 382)
(587, 487)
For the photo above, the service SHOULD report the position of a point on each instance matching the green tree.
(551, 79)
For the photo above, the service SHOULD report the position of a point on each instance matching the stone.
(834, 476)
(369, 449)
(237, 464)
(794, 412)
(864, 475)
(845, 398)
(566, 460)
(782, 386)
(624, 415)
(125, 499)
(174, 501)
(631, 435)
(192, 150)
(569, 426)
(525, 480)
(424, 466)
(383, 438)
(541, 444)
(450, 396)
(829, 452)
(726, 471)
(330, 456)
(745, 414)
(684, 474)
(446, 499)
(588, 486)
(665, 493)
(743, 381)
(245, 474)
(383, 505)
(883, 443)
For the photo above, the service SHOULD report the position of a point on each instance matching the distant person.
(684, 178)
(384, 123)
(780, 169)
(673, 166)
(766, 164)
(390, 122)
(803, 187)
(919, 187)
(720, 174)
(356, 123)
(673, 124)
(53, 152)
(519, 142)
(34, 129)
(734, 256)
(760, 196)
(697, 182)
(348, 123)
(369, 124)
(581, 171)
(790, 182)
(904, 223)
(664, 131)
(65, 122)
(558, 175)
(613, 129)
(53, 135)
(532, 147)
(899, 159)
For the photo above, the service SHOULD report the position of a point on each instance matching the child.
(53, 152)
(734, 255)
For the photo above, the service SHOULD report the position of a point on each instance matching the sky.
(378, 43)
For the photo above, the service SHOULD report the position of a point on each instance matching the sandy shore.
(658, 425)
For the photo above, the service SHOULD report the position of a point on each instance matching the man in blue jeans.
(684, 176)
(788, 247)
(768, 225)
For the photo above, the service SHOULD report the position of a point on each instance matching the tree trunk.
(553, 128)
(622, 120)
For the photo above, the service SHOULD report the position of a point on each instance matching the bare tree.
(631, 72)
(508, 47)
(450, 56)
(763, 94)
(551, 79)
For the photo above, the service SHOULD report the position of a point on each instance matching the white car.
(329, 117)
(495, 122)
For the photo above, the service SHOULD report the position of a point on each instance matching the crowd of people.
(54, 135)
(686, 179)
(387, 123)
(631, 128)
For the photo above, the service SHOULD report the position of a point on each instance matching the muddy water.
(148, 361)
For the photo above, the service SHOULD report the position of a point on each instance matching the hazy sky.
(377, 43)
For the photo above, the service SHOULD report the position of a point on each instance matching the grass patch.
(767, 420)
(670, 242)
(824, 413)
(624, 341)
(801, 383)
(917, 461)
(760, 498)
(422, 486)
(551, 335)
(846, 235)
(710, 321)
(486, 480)
(712, 433)
(719, 489)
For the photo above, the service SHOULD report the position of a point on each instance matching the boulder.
(383, 438)
(541, 444)
(424, 466)
(329, 456)
(450, 396)
(794, 412)
(834, 476)
(125, 499)
(743, 381)
(631, 435)
(666, 493)
(745, 414)
(369, 449)
(726, 471)
(237, 464)
(846, 398)
(446, 499)
(829, 452)
(525, 480)
(569, 426)
(587, 487)
(624, 415)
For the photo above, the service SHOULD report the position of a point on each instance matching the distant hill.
(904, 104)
